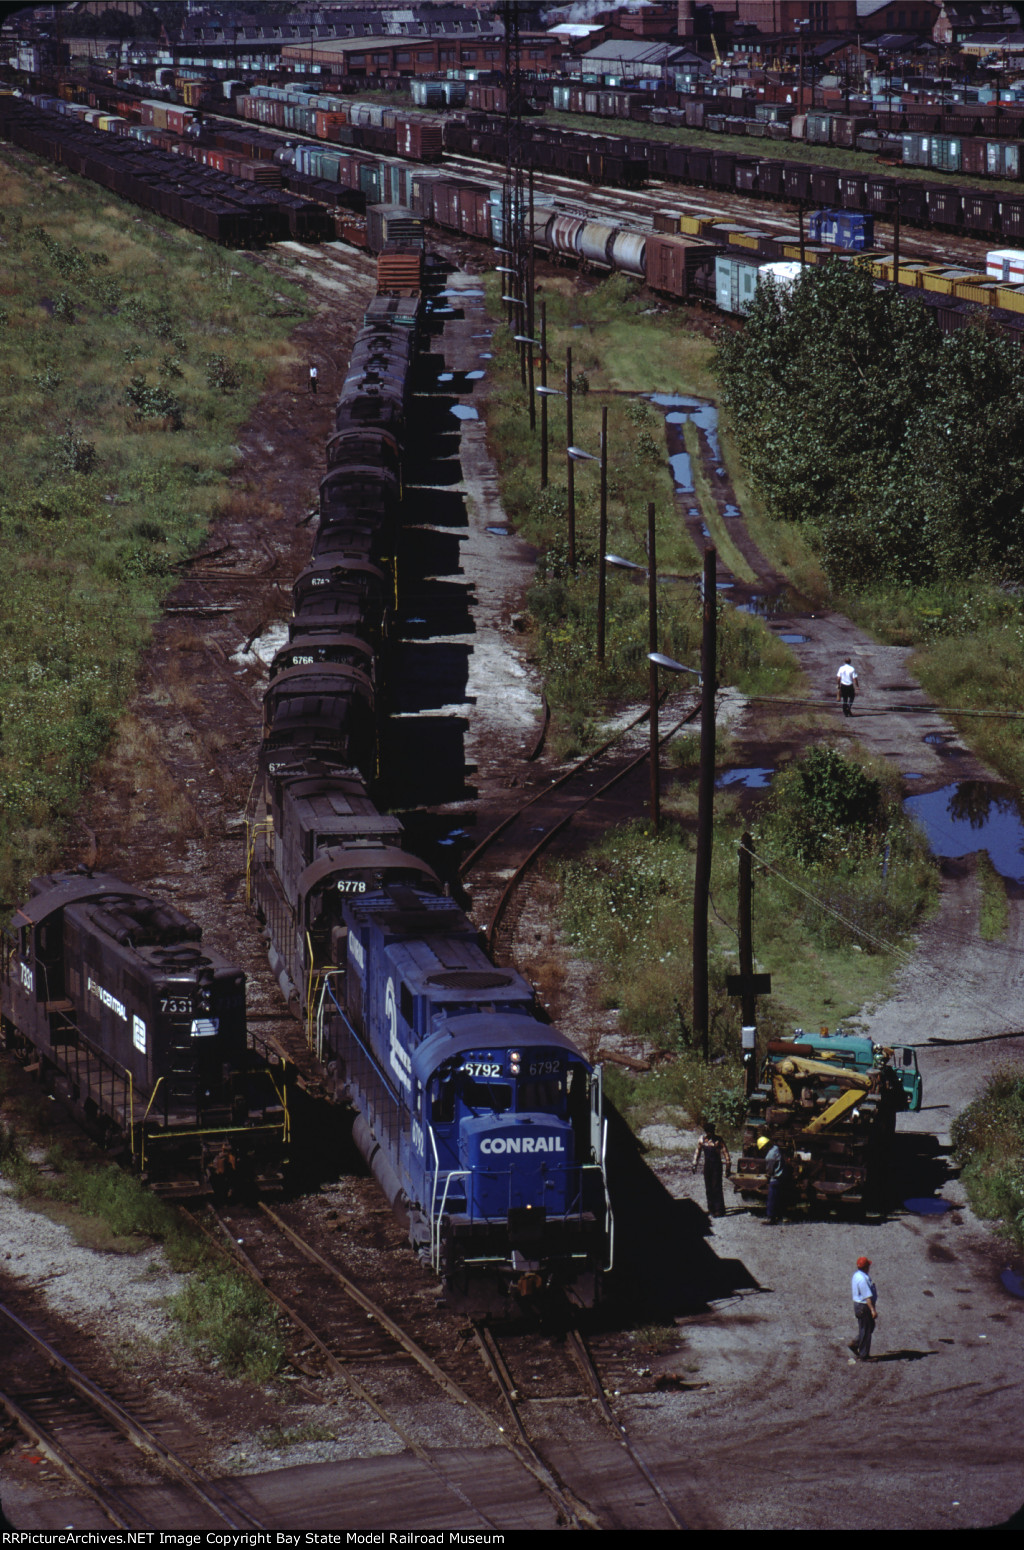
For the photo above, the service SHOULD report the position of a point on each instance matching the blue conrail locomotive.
(482, 1123)
(139, 1029)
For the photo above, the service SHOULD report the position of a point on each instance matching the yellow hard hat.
(762, 1142)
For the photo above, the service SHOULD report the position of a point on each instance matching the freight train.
(113, 1000)
(482, 1123)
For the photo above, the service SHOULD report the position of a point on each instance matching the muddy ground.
(779, 1430)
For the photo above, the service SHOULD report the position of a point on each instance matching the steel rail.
(529, 1460)
(585, 1362)
(580, 1515)
(340, 1371)
(567, 775)
(206, 1491)
(102, 1494)
(527, 862)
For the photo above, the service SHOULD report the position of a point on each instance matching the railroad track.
(333, 1315)
(536, 1372)
(110, 1453)
(345, 1334)
(514, 846)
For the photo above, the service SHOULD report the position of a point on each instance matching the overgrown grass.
(988, 1144)
(838, 887)
(130, 354)
(968, 640)
(108, 1210)
(229, 1316)
(994, 915)
(622, 357)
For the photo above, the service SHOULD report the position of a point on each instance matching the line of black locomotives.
(482, 1123)
(111, 998)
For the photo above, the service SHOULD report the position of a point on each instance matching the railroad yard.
(715, 1390)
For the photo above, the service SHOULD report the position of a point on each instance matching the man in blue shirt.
(865, 1305)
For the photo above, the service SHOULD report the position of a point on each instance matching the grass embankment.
(988, 1144)
(827, 913)
(620, 354)
(131, 353)
(107, 1210)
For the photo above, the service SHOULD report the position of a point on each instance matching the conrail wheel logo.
(494, 1146)
(400, 1063)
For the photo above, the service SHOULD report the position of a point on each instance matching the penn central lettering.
(112, 1002)
(495, 1145)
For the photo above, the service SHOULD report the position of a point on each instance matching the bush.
(154, 403)
(988, 1144)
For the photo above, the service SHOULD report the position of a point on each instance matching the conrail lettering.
(495, 1145)
(116, 1006)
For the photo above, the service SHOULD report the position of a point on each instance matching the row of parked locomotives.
(111, 997)
(481, 1122)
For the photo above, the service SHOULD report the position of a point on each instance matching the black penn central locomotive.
(482, 1123)
(139, 1029)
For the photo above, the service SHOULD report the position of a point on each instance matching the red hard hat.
(863, 1263)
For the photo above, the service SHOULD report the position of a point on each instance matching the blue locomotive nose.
(518, 1160)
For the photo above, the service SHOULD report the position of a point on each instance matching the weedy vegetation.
(130, 354)
(988, 1144)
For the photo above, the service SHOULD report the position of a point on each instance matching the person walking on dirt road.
(865, 1306)
(314, 378)
(714, 1152)
(846, 688)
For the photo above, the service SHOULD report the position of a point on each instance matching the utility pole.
(570, 466)
(652, 674)
(602, 542)
(544, 395)
(705, 801)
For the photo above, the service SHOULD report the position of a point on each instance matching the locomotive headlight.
(513, 1061)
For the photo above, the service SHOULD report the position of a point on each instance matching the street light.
(661, 660)
(578, 455)
(524, 339)
(514, 301)
(503, 269)
(546, 392)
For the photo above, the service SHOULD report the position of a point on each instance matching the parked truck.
(830, 1102)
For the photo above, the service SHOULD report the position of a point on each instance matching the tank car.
(482, 1123)
(139, 1028)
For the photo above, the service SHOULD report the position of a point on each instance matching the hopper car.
(482, 1123)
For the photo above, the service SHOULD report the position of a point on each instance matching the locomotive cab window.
(495, 1096)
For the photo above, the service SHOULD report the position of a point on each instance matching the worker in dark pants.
(775, 1169)
(314, 378)
(846, 686)
(712, 1150)
(865, 1306)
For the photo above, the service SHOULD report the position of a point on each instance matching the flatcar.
(139, 1029)
(482, 1123)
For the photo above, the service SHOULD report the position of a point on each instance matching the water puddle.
(794, 639)
(498, 531)
(754, 779)
(694, 511)
(682, 472)
(943, 743)
(446, 376)
(453, 835)
(458, 293)
(729, 510)
(703, 415)
(973, 815)
(464, 412)
(763, 606)
(474, 376)
(486, 355)
(487, 334)
(725, 586)
(912, 775)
